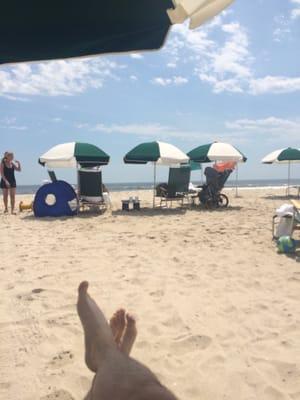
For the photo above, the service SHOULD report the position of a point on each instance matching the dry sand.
(218, 309)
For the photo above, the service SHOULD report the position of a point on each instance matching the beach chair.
(177, 188)
(296, 219)
(90, 188)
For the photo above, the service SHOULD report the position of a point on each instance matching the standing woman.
(8, 181)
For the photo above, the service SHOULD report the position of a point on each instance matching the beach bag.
(286, 244)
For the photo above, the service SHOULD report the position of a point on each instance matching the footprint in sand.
(61, 359)
(192, 343)
(58, 395)
(38, 290)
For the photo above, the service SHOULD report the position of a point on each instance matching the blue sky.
(236, 79)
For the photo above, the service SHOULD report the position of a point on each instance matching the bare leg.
(117, 324)
(129, 335)
(97, 333)
(12, 193)
(5, 199)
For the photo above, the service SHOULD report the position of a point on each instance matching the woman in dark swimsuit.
(8, 180)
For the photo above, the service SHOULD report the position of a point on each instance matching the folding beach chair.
(90, 188)
(177, 188)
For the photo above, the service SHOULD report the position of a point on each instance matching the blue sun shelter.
(55, 199)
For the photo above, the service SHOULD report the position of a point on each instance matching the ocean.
(131, 186)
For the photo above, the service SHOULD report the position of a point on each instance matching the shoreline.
(140, 188)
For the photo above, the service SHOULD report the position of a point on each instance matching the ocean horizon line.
(128, 186)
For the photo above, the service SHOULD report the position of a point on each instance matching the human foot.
(129, 336)
(117, 325)
(97, 333)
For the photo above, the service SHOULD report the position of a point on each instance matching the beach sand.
(218, 309)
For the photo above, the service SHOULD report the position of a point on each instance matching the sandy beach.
(218, 309)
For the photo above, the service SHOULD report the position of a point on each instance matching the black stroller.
(210, 195)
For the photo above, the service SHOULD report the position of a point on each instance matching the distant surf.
(131, 186)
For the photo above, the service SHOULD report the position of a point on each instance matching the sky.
(235, 79)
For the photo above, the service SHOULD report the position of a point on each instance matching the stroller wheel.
(222, 200)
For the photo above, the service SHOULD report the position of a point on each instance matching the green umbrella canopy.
(283, 156)
(216, 151)
(35, 30)
(157, 152)
(68, 155)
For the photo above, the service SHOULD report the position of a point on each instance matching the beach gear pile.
(285, 243)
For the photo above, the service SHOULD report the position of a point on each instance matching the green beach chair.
(90, 188)
(177, 188)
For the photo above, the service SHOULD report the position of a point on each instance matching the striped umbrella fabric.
(54, 29)
(216, 151)
(283, 156)
(160, 153)
(288, 156)
(69, 155)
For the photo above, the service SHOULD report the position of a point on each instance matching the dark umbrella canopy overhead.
(35, 30)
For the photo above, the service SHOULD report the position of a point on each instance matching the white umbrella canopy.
(160, 153)
(216, 151)
(68, 155)
(288, 155)
(199, 11)
(282, 156)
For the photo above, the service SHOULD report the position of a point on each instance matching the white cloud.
(136, 56)
(226, 66)
(175, 80)
(274, 84)
(153, 130)
(57, 119)
(11, 123)
(56, 78)
(171, 65)
(133, 77)
(270, 127)
(282, 29)
(295, 13)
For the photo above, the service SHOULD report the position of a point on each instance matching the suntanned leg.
(5, 199)
(97, 333)
(12, 193)
(117, 324)
(129, 336)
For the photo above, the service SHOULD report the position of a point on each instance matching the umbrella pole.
(289, 178)
(236, 180)
(154, 184)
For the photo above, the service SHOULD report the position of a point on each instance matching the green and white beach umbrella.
(158, 153)
(216, 151)
(287, 156)
(69, 155)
